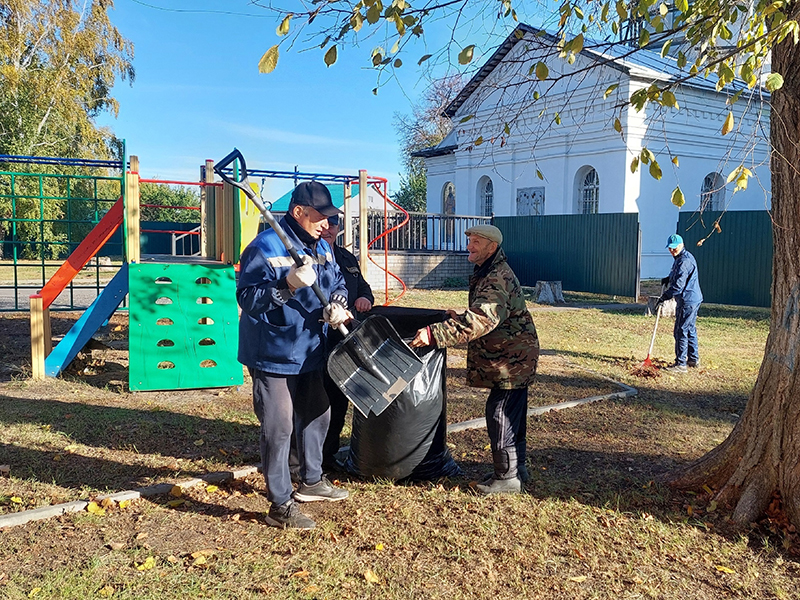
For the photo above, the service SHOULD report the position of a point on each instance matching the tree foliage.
(165, 196)
(59, 60)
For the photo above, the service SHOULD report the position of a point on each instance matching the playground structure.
(183, 317)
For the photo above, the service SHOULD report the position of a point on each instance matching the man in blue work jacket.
(282, 342)
(683, 285)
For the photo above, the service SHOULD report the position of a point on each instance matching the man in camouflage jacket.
(502, 353)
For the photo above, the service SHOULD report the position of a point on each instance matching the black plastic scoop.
(371, 365)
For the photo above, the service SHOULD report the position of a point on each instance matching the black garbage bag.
(408, 439)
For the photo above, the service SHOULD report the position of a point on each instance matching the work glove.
(657, 307)
(304, 276)
(336, 314)
(665, 281)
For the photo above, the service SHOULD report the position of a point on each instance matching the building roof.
(633, 61)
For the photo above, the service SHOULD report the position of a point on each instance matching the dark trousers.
(685, 333)
(286, 403)
(339, 405)
(506, 424)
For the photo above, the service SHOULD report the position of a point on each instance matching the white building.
(521, 146)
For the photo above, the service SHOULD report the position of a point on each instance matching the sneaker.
(676, 368)
(288, 516)
(500, 486)
(693, 364)
(323, 490)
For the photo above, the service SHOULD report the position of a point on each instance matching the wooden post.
(132, 212)
(225, 232)
(38, 344)
(208, 213)
(363, 228)
(348, 217)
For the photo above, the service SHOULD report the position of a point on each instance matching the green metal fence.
(587, 253)
(735, 263)
(43, 217)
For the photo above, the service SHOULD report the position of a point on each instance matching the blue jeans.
(685, 332)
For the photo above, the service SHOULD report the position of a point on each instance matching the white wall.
(585, 137)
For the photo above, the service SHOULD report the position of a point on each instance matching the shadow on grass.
(156, 436)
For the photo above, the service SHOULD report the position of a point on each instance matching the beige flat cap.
(490, 232)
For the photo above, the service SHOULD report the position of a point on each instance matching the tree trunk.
(761, 456)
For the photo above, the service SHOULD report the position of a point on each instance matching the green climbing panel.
(184, 327)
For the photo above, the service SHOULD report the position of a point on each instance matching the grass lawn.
(596, 521)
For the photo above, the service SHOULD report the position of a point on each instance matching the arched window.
(448, 209)
(712, 194)
(449, 198)
(588, 192)
(486, 196)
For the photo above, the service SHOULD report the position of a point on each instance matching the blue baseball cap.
(674, 241)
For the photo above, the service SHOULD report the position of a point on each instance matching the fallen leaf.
(34, 591)
(176, 491)
(370, 576)
(578, 579)
(303, 574)
(204, 552)
(200, 560)
(141, 536)
(311, 589)
(106, 592)
(722, 569)
(124, 504)
(378, 547)
(199, 442)
(16, 499)
(212, 488)
(95, 509)
(148, 564)
(173, 559)
(176, 503)
(108, 503)
(116, 545)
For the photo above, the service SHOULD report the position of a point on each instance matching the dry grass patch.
(596, 521)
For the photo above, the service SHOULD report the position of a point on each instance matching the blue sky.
(198, 94)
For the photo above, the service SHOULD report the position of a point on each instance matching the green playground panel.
(184, 327)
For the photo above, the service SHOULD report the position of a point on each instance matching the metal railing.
(43, 218)
(187, 243)
(425, 232)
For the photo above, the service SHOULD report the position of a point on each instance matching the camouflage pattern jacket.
(503, 348)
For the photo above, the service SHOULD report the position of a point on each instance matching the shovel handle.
(244, 185)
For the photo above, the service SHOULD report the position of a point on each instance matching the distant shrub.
(455, 282)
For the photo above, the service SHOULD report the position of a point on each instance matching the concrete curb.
(540, 410)
(46, 512)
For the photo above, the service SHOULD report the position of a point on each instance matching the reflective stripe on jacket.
(280, 332)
